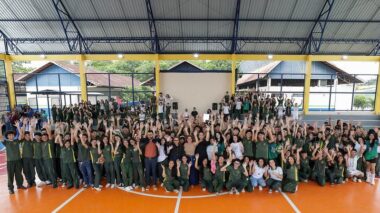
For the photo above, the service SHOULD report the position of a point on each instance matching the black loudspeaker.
(175, 105)
(214, 106)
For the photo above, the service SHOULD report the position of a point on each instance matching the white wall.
(198, 90)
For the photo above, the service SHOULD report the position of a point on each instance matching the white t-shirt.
(161, 154)
(142, 117)
(226, 110)
(353, 163)
(238, 105)
(274, 172)
(238, 149)
(259, 172)
(160, 108)
(210, 150)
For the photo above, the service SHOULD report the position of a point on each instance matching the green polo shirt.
(13, 150)
(27, 149)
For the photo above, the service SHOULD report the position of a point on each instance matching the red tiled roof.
(95, 77)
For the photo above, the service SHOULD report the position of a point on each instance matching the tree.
(20, 67)
(141, 93)
(360, 102)
(370, 103)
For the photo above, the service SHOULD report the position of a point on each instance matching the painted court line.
(291, 203)
(172, 197)
(67, 201)
(178, 201)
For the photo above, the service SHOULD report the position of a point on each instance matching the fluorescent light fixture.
(120, 56)
(270, 56)
(344, 57)
(42, 56)
(196, 55)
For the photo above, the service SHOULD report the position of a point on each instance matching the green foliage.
(362, 102)
(141, 93)
(19, 67)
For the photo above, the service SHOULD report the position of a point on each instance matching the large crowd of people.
(250, 142)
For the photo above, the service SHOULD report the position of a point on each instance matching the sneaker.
(232, 191)
(63, 185)
(108, 185)
(47, 182)
(100, 186)
(128, 188)
(203, 189)
(296, 188)
(354, 179)
(40, 184)
(277, 191)
(359, 180)
(154, 187)
(143, 189)
(306, 181)
(85, 186)
(11, 191)
(237, 192)
(243, 190)
(270, 191)
(162, 184)
(260, 188)
(97, 189)
(134, 185)
(112, 186)
(175, 190)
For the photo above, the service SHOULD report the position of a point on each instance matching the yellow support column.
(377, 102)
(157, 74)
(10, 81)
(82, 75)
(233, 73)
(306, 94)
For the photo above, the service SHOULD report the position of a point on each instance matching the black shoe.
(70, 186)
(21, 187)
(55, 186)
(11, 192)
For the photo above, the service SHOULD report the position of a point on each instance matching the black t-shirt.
(201, 149)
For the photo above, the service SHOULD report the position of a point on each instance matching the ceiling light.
(344, 57)
(196, 55)
(120, 56)
(42, 56)
(270, 56)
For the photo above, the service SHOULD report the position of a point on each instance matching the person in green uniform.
(205, 172)
(245, 179)
(220, 176)
(305, 170)
(26, 150)
(183, 172)
(48, 154)
(320, 159)
(37, 157)
(169, 173)
(14, 165)
(248, 144)
(339, 170)
(126, 164)
(370, 155)
(69, 162)
(237, 173)
(138, 175)
(290, 181)
(108, 162)
(262, 144)
(118, 154)
(96, 156)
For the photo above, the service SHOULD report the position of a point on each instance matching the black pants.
(14, 172)
(39, 163)
(150, 170)
(28, 170)
(50, 173)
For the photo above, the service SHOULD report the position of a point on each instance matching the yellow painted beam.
(233, 74)
(377, 99)
(10, 81)
(306, 94)
(151, 57)
(253, 57)
(191, 57)
(2, 56)
(82, 75)
(127, 57)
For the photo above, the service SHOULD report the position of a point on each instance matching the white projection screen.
(195, 89)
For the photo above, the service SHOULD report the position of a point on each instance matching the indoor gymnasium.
(189, 106)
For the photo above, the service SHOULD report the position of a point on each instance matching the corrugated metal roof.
(193, 30)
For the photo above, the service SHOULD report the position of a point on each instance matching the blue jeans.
(85, 169)
(258, 182)
(150, 170)
(194, 175)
